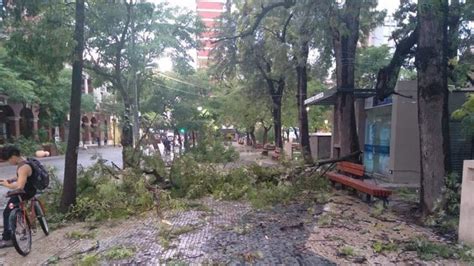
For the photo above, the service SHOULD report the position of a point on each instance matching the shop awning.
(328, 97)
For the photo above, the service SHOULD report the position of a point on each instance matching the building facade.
(25, 120)
(209, 11)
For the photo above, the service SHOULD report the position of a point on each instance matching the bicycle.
(21, 224)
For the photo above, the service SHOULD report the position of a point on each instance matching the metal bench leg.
(385, 202)
(368, 198)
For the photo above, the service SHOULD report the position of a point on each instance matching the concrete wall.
(404, 143)
(466, 233)
(320, 145)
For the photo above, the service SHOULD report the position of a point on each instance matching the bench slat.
(351, 168)
(359, 185)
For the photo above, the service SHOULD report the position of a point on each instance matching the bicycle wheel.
(41, 218)
(21, 232)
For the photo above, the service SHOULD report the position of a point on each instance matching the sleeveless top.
(29, 188)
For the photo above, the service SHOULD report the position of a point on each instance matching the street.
(110, 153)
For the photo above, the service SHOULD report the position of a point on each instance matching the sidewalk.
(214, 232)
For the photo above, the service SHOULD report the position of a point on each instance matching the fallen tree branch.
(343, 158)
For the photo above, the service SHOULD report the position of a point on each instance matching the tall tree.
(257, 50)
(345, 35)
(433, 33)
(433, 115)
(125, 38)
(68, 197)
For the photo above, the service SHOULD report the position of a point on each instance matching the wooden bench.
(351, 175)
(276, 154)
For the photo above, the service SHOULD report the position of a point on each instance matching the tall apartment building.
(209, 11)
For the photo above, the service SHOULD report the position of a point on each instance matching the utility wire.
(178, 80)
(174, 89)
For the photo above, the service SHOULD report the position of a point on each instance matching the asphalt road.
(110, 153)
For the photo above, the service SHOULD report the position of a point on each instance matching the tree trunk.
(194, 139)
(265, 134)
(252, 136)
(345, 44)
(177, 134)
(247, 140)
(127, 134)
(433, 117)
(302, 84)
(276, 112)
(186, 141)
(276, 108)
(68, 197)
(297, 136)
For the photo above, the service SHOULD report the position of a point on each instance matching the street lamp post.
(113, 128)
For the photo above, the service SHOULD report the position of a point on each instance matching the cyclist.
(23, 180)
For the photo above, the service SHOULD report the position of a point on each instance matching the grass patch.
(166, 233)
(200, 207)
(80, 235)
(325, 220)
(119, 253)
(429, 250)
(384, 247)
(377, 210)
(89, 260)
(347, 251)
(184, 229)
(408, 194)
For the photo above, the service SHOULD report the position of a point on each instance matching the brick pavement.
(222, 232)
(232, 233)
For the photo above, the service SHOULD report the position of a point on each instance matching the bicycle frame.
(23, 206)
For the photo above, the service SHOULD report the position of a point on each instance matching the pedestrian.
(167, 145)
(24, 180)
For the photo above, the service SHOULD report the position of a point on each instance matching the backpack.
(40, 174)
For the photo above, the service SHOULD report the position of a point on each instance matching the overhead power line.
(179, 80)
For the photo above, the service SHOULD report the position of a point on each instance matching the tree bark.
(433, 117)
(276, 112)
(186, 141)
(252, 136)
(275, 89)
(265, 134)
(127, 134)
(345, 44)
(297, 136)
(68, 197)
(302, 84)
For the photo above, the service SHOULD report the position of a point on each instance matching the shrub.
(262, 186)
(27, 146)
(265, 174)
(233, 185)
(101, 195)
(211, 150)
(62, 146)
(267, 194)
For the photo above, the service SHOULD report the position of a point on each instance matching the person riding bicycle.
(23, 180)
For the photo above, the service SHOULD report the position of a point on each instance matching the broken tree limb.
(387, 77)
(343, 158)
